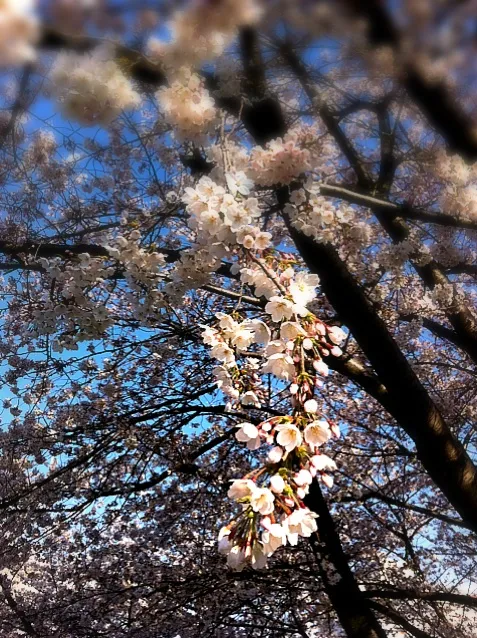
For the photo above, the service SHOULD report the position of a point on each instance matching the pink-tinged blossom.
(18, 32)
(311, 406)
(275, 455)
(301, 522)
(222, 352)
(290, 330)
(323, 463)
(188, 106)
(274, 537)
(336, 335)
(303, 478)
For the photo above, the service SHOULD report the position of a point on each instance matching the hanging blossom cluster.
(18, 31)
(287, 342)
(203, 31)
(292, 348)
(91, 88)
(187, 106)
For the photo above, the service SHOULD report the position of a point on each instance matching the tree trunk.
(352, 608)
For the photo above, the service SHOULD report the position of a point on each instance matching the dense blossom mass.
(238, 336)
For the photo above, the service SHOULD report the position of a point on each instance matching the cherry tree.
(238, 334)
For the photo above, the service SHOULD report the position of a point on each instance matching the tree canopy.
(238, 331)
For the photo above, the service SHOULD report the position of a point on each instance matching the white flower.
(250, 398)
(248, 434)
(238, 183)
(235, 216)
(281, 365)
(18, 32)
(91, 87)
(262, 501)
(236, 558)
(224, 543)
(188, 106)
(210, 336)
(302, 288)
(259, 557)
(336, 335)
(277, 484)
(317, 433)
(321, 367)
(323, 463)
(290, 330)
(303, 478)
(275, 454)
(226, 322)
(240, 488)
(222, 352)
(274, 347)
(279, 308)
(301, 522)
(298, 197)
(311, 406)
(242, 338)
(273, 537)
(263, 240)
(251, 205)
(261, 332)
(289, 436)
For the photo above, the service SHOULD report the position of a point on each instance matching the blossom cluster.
(91, 88)
(202, 32)
(312, 213)
(18, 31)
(291, 344)
(188, 106)
(226, 214)
(76, 304)
(280, 161)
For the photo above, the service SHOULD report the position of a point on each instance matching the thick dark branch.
(431, 596)
(405, 211)
(462, 269)
(28, 628)
(399, 620)
(47, 250)
(437, 329)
